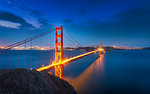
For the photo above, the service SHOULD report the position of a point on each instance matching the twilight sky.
(112, 22)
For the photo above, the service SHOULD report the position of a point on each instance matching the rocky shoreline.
(24, 81)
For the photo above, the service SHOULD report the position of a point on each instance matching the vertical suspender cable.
(50, 59)
(18, 58)
(54, 47)
(25, 56)
(31, 55)
(1, 61)
(8, 60)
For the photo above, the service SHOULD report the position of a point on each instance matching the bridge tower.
(59, 51)
(100, 47)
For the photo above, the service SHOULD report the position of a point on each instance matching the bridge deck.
(51, 66)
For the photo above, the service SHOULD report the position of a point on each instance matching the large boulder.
(24, 81)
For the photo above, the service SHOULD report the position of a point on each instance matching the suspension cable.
(69, 39)
(26, 40)
(72, 37)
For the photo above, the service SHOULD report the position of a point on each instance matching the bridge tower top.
(59, 44)
(100, 45)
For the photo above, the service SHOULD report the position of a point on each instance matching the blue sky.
(112, 22)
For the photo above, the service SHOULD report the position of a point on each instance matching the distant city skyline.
(112, 22)
(69, 48)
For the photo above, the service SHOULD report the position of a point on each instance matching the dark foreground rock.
(23, 81)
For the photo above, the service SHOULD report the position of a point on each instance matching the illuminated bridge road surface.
(51, 66)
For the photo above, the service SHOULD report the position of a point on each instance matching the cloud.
(132, 23)
(68, 21)
(82, 12)
(9, 24)
(92, 21)
(137, 17)
(44, 22)
(34, 22)
(29, 15)
(33, 12)
(15, 19)
(88, 2)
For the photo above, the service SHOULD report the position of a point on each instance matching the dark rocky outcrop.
(23, 81)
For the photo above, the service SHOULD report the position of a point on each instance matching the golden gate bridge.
(58, 61)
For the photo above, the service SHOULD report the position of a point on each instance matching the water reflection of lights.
(82, 80)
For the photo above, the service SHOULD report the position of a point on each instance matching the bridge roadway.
(51, 66)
